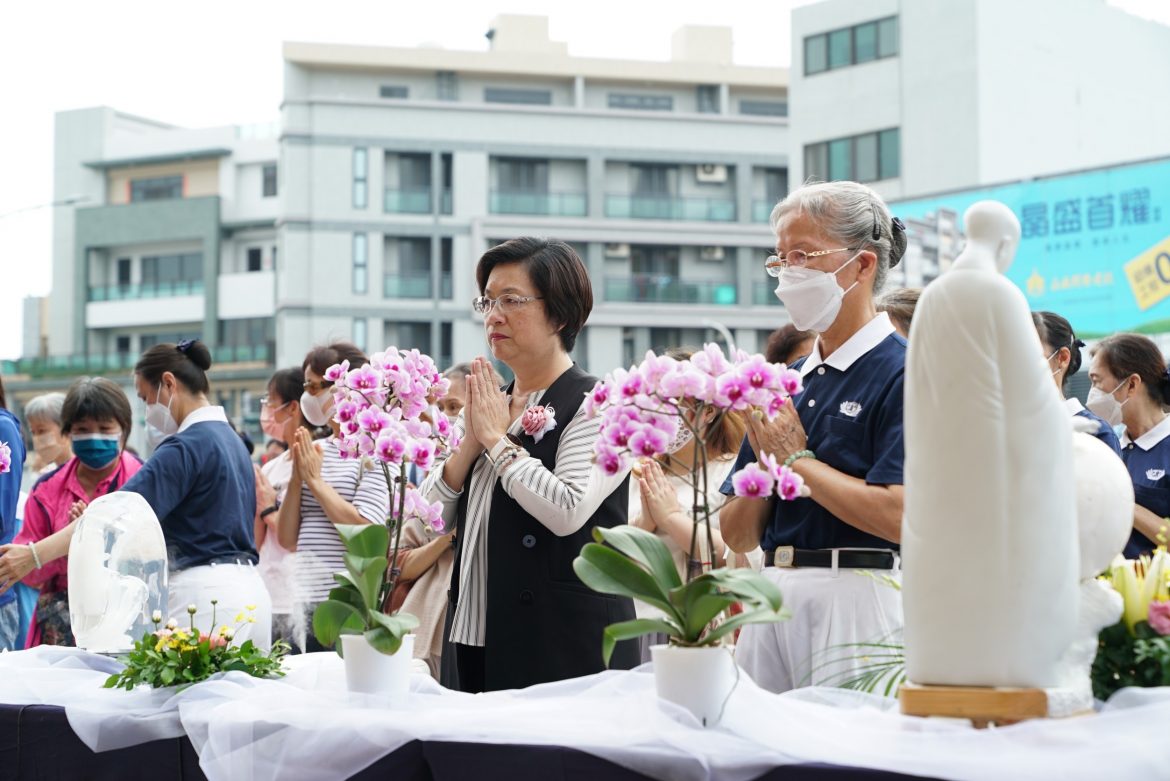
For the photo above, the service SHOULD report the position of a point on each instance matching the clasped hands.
(486, 415)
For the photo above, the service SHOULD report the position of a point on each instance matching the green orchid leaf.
(627, 630)
(751, 587)
(703, 611)
(366, 540)
(646, 549)
(609, 572)
(759, 616)
(383, 640)
(332, 618)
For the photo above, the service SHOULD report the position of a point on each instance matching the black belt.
(852, 559)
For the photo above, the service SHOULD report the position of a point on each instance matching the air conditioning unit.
(617, 250)
(709, 173)
(711, 253)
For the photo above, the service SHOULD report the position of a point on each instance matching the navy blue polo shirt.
(1105, 432)
(201, 485)
(851, 410)
(1148, 460)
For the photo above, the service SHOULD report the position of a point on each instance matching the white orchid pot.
(699, 679)
(370, 671)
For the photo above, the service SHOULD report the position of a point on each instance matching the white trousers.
(831, 616)
(236, 587)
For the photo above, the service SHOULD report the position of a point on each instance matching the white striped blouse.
(562, 500)
(320, 551)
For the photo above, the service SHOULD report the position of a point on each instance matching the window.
(159, 270)
(407, 335)
(446, 345)
(528, 97)
(655, 261)
(157, 189)
(889, 154)
(641, 102)
(707, 98)
(865, 42)
(657, 180)
(393, 91)
(816, 54)
(361, 270)
(254, 259)
(360, 332)
(522, 175)
(446, 264)
(361, 192)
(274, 257)
(764, 108)
(122, 344)
(775, 184)
(851, 45)
(246, 332)
(123, 271)
(869, 157)
(269, 190)
(446, 86)
(414, 172)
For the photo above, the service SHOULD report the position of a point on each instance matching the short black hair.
(287, 385)
(188, 360)
(1057, 332)
(558, 274)
(97, 399)
(320, 358)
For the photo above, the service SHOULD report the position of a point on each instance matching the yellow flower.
(250, 607)
(239, 617)
(251, 619)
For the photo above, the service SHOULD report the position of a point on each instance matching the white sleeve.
(565, 498)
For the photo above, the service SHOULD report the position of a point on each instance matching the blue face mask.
(97, 451)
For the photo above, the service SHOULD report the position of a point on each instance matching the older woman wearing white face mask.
(835, 243)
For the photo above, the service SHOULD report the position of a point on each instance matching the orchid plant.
(5, 457)
(387, 413)
(641, 412)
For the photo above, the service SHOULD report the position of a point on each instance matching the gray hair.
(459, 372)
(46, 407)
(851, 213)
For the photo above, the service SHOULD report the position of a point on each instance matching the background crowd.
(498, 601)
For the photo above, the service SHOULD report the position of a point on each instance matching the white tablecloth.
(306, 726)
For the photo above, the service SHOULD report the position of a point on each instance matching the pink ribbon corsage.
(538, 421)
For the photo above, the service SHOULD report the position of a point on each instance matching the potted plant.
(641, 411)
(387, 414)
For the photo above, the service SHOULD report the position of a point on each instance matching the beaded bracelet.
(36, 559)
(799, 454)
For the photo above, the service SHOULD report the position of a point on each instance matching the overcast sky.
(218, 63)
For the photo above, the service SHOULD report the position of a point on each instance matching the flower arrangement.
(171, 655)
(5, 457)
(642, 412)
(387, 413)
(1136, 650)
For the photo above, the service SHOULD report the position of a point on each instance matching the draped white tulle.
(306, 726)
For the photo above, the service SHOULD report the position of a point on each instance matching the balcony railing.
(553, 204)
(407, 286)
(762, 210)
(764, 294)
(664, 289)
(416, 201)
(104, 363)
(665, 207)
(154, 290)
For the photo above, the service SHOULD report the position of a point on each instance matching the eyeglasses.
(267, 402)
(507, 303)
(776, 263)
(315, 386)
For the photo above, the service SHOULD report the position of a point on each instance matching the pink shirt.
(47, 511)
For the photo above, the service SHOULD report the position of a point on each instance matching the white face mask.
(681, 438)
(159, 423)
(47, 445)
(1105, 406)
(1055, 373)
(813, 298)
(314, 409)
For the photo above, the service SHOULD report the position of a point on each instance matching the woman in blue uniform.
(201, 484)
(1131, 387)
(1062, 349)
(835, 244)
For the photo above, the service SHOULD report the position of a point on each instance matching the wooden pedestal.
(983, 706)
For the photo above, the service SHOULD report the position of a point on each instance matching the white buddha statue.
(989, 537)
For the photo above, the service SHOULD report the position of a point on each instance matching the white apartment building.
(162, 234)
(399, 167)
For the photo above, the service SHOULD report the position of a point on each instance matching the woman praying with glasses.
(324, 489)
(522, 488)
(835, 244)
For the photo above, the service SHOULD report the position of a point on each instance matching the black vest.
(542, 624)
